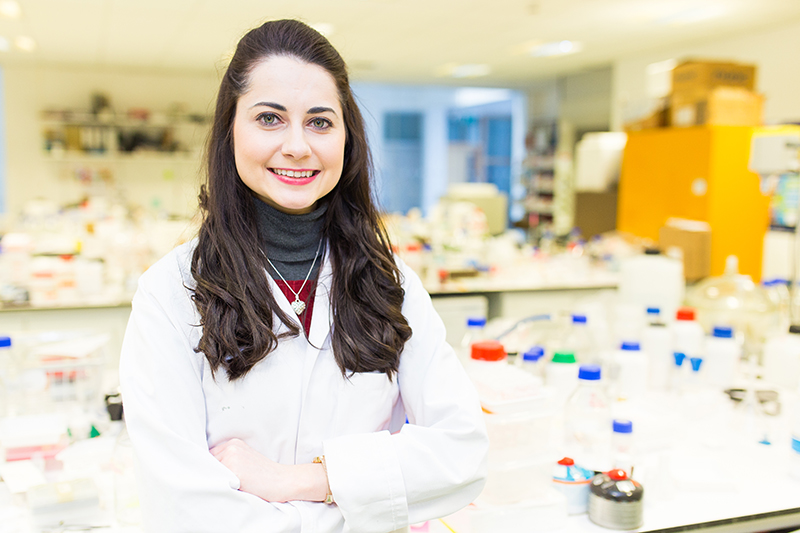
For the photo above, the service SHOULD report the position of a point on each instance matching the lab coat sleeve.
(182, 487)
(437, 463)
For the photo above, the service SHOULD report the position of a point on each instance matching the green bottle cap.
(563, 357)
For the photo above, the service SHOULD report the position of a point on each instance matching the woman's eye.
(267, 118)
(321, 123)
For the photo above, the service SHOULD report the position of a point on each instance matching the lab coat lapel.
(321, 319)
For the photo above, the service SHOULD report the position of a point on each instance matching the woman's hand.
(269, 480)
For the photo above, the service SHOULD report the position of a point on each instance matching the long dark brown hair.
(232, 294)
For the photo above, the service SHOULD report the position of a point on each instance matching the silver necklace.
(298, 305)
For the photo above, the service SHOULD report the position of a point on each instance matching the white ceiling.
(382, 40)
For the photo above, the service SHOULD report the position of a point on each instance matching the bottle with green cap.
(562, 375)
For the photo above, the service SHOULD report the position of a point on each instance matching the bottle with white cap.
(587, 421)
(688, 333)
(657, 345)
(722, 358)
(632, 371)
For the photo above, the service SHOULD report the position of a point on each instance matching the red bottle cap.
(566, 461)
(488, 351)
(685, 313)
(617, 475)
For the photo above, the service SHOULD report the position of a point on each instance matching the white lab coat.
(291, 407)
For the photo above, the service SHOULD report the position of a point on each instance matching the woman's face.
(289, 134)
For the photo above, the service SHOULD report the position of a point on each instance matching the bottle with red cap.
(688, 334)
(501, 387)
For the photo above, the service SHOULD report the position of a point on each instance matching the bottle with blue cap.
(6, 374)
(622, 445)
(657, 346)
(587, 422)
(474, 333)
(722, 358)
(580, 341)
(532, 361)
(632, 371)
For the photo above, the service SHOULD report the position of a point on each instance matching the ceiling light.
(325, 28)
(474, 96)
(10, 9)
(469, 70)
(556, 48)
(4, 45)
(25, 43)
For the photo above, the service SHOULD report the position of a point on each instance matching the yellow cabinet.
(698, 173)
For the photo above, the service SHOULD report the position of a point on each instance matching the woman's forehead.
(291, 82)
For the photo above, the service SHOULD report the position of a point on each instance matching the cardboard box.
(696, 79)
(724, 106)
(694, 240)
(660, 118)
(595, 212)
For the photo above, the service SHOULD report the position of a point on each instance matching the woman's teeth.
(294, 173)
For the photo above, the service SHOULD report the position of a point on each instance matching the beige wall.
(773, 51)
(30, 174)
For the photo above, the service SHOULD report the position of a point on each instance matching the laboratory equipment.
(722, 358)
(657, 345)
(532, 361)
(622, 448)
(580, 341)
(573, 482)
(652, 280)
(615, 501)
(562, 375)
(474, 333)
(503, 388)
(781, 359)
(587, 421)
(631, 371)
(687, 333)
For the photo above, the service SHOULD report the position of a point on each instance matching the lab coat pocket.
(365, 402)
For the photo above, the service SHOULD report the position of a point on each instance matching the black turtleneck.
(291, 241)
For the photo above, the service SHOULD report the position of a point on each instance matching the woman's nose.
(295, 144)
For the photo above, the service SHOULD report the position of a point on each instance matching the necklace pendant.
(298, 306)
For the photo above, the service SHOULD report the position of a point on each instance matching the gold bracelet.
(320, 459)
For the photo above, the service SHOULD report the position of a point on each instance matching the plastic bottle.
(794, 468)
(6, 369)
(657, 345)
(652, 279)
(632, 371)
(587, 422)
(562, 375)
(622, 446)
(687, 333)
(580, 341)
(532, 361)
(679, 372)
(781, 359)
(475, 333)
(695, 380)
(502, 387)
(722, 358)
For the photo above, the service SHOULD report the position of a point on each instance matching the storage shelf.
(121, 157)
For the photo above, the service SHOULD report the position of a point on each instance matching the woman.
(270, 364)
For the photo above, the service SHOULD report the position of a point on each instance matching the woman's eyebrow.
(320, 109)
(273, 105)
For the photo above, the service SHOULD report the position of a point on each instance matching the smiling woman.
(270, 364)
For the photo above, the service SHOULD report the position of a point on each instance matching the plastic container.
(622, 446)
(6, 374)
(562, 375)
(688, 334)
(794, 468)
(475, 333)
(503, 388)
(532, 361)
(652, 280)
(510, 483)
(632, 371)
(580, 342)
(781, 360)
(587, 422)
(515, 437)
(657, 345)
(546, 513)
(722, 358)
(573, 482)
(680, 372)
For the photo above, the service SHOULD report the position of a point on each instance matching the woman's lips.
(300, 176)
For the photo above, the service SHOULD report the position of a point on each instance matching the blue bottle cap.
(653, 311)
(679, 357)
(696, 362)
(589, 372)
(632, 346)
(723, 332)
(534, 354)
(5, 342)
(579, 319)
(476, 321)
(623, 426)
